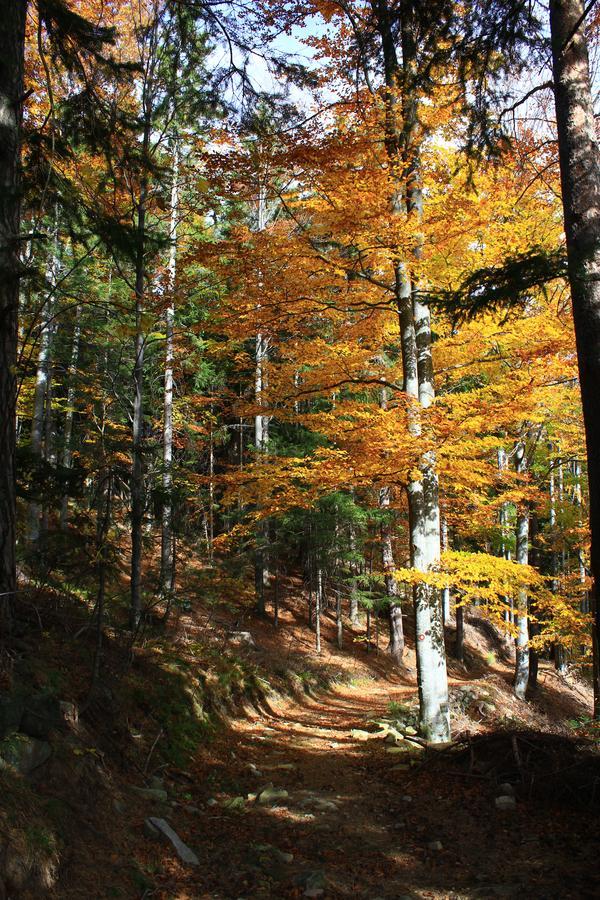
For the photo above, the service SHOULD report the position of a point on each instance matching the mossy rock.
(24, 754)
(29, 846)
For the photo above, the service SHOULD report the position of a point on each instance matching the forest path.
(337, 819)
(359, 821)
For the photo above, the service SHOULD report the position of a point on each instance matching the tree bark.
(578, 501)
(261, 441)
(580, 181)
(261, 424)
(137, 466)
(211, 489)
(12, 44)
(459, 647)
(42, 419)
(138, 498)
(339, 622)
(167, 568)
(505, 550)
(403, 147)
(396, 645)
(102, 552)
(522, 557)
(276, 597)
(560, 660)
(39, 411)
(318, 608)
(67, 454)
(535, 559)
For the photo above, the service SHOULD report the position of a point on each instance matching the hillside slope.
(288, 773)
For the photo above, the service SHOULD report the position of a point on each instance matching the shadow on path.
(363, 822)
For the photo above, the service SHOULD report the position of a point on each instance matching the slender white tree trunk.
(137, 430)
(211, 490)
(577, 497)
(318, 608)
(402, 140)
(403, 132)
(424, 527)
(261, 440)
(42, 381)
(167, 558)
(353, 599)
(137, 479)
(261, 425)
(425, 533)
(429, 631)
(396, 645)
(67, 454)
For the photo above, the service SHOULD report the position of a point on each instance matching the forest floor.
(355, 823)
(303, 795)
(362, 817)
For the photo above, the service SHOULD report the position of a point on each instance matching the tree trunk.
(396, 645)
(577, 498)
(211, 490)
(102, 551)
(318, 607)
(261, 423)
(580, 180)
(42, 394)
(403, 149)
(67, 454)
(354, 571)
(137, 468)
(505, 550)
(276, 597)
(37, 421)
(261, 440)
(12, 44)
(339, 623)
(167, 581)
(459, 647)
(534, 625)
(522, 555)
(559, 650)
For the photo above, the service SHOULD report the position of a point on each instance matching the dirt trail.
(359, 821)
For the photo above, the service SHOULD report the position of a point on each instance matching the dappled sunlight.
(299, 449)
